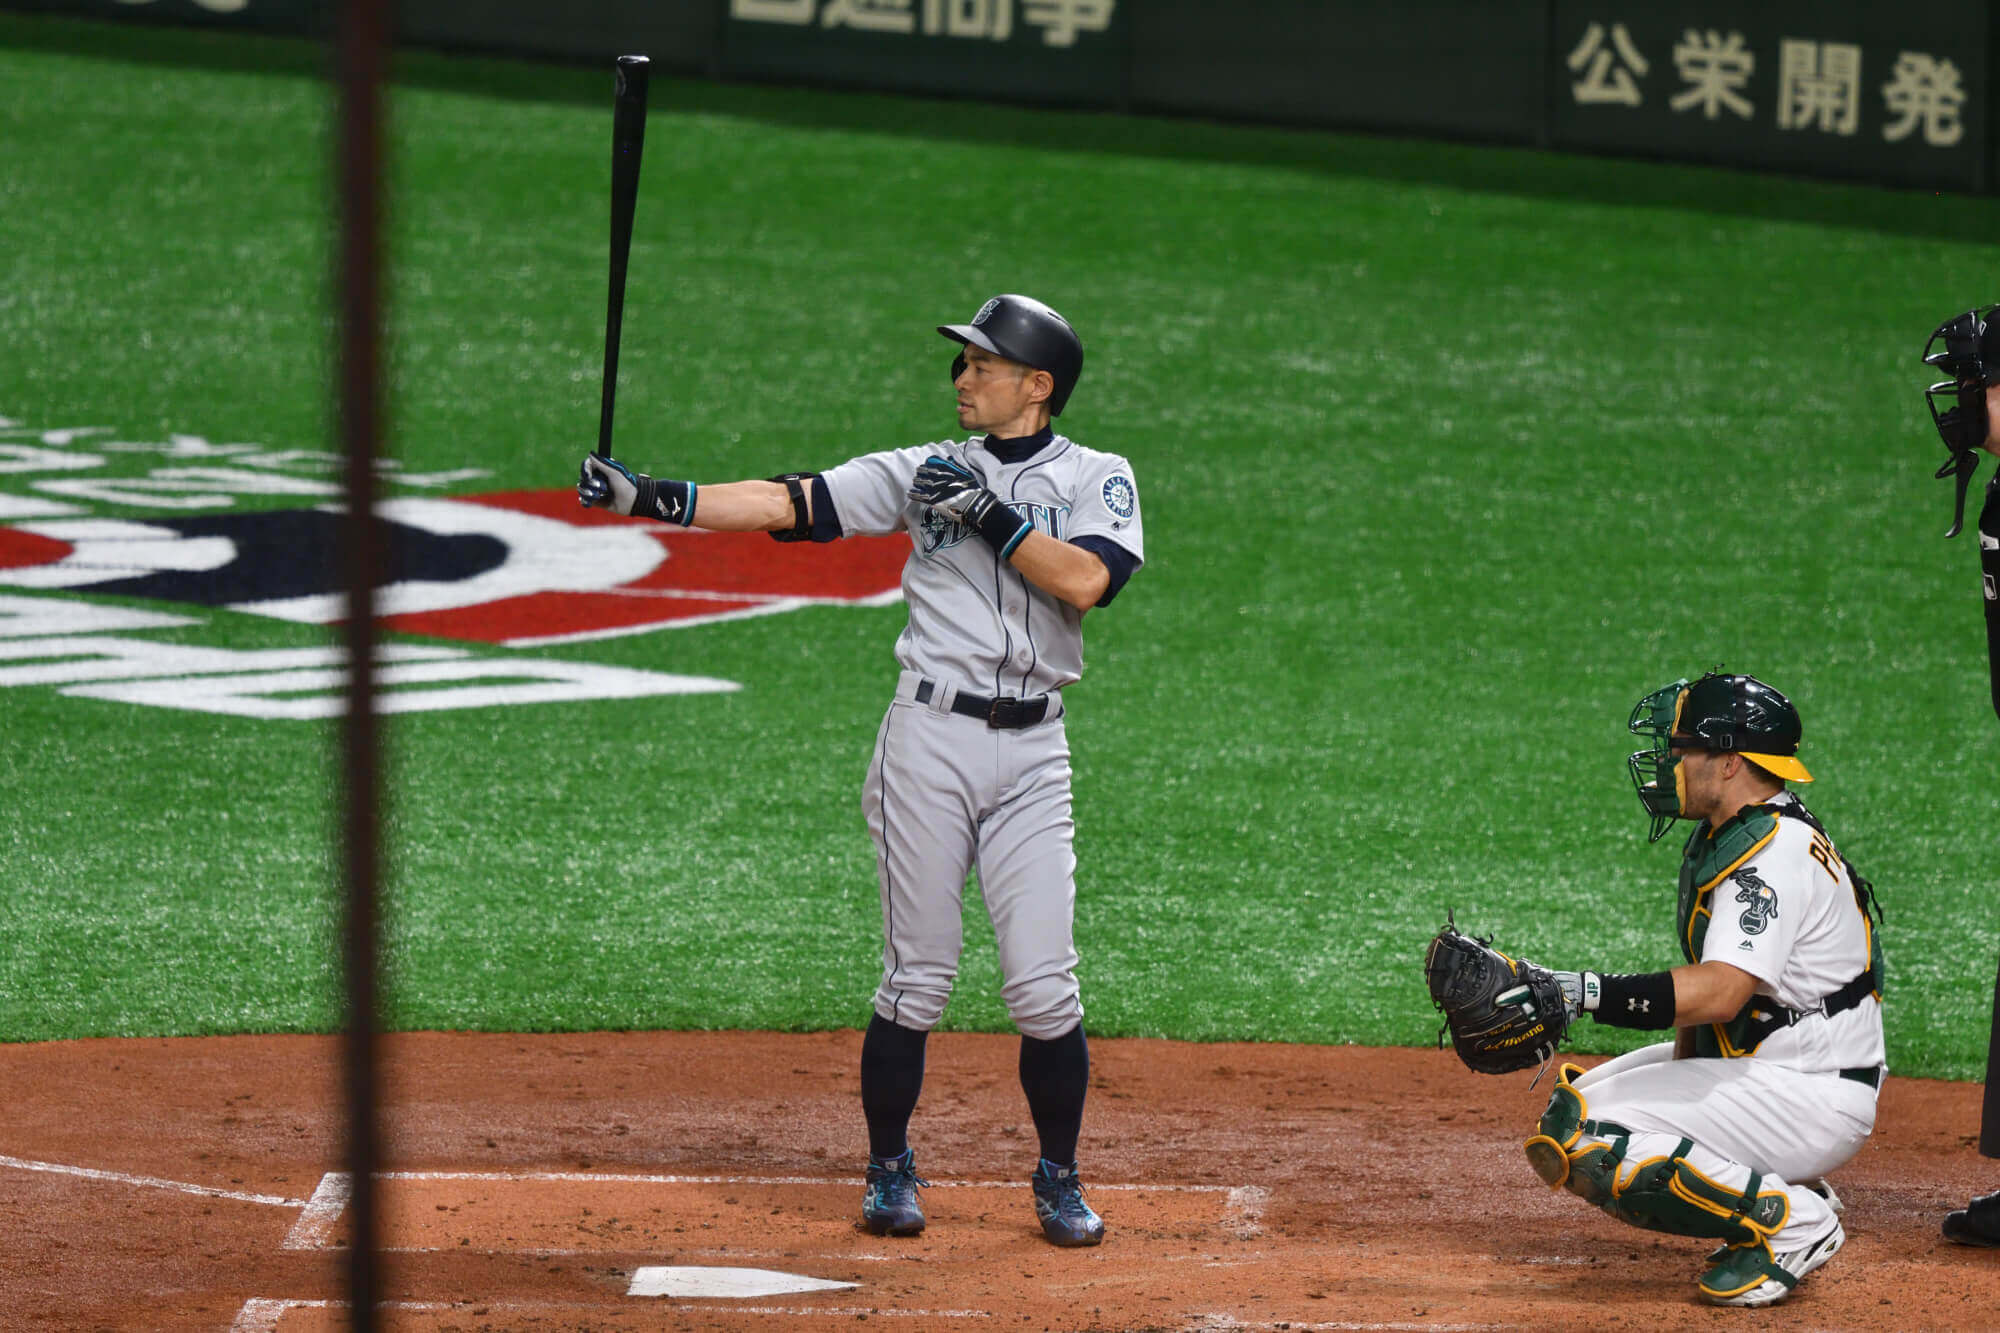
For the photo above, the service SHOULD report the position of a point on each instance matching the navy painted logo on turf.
(1119, 495)
(1761, 897)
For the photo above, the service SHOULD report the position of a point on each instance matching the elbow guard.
(801, 529)
(815, 522)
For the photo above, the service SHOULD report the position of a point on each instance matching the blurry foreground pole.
(361, 42)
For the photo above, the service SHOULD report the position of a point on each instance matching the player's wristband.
(1630, 999)
(668, 501)
(1002, 528)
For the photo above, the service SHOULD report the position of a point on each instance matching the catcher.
(1725, 1132)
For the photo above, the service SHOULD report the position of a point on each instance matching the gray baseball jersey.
(971, 621)
(945, 792)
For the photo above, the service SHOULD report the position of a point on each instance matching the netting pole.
(361, 43)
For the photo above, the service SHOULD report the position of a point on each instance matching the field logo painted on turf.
(516, 569)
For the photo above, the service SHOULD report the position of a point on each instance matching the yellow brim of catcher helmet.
(1781, 765)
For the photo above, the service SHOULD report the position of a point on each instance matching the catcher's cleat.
(1978, 1223)
(889, 1205)
(1753, 1274)
(1066, 1218)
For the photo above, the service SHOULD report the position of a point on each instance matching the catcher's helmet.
(1967, 348)
(1022, 329)
(1738, 714)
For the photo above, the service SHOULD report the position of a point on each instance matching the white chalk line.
(1243, 1212)
(541, 1252)
(260, 1314)
(149, 1182)
(314, 1229)
(592, 1177)
(321, 1214)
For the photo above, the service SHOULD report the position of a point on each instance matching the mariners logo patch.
(1761, 897)
(1120, 496)
(985, 310)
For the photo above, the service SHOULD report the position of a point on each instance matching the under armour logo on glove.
(1637, 1006)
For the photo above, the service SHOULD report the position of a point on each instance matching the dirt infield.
(548, 1182)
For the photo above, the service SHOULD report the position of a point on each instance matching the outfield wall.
(1838, 88)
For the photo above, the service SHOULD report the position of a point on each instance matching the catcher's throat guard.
(1966, 348)
(1656, 770)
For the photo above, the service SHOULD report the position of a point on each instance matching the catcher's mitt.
(1491, 1034)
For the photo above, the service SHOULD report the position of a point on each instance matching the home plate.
(675, 1281)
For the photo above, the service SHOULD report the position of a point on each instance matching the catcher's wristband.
(1630, 999)
(668, 501)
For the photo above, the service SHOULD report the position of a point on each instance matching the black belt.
(1869, 1074)
(1005, 712)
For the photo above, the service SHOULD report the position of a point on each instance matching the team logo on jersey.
(936, 532)
(1761, 898)
(1120, 496)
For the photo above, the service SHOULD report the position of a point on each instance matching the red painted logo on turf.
(516, 568)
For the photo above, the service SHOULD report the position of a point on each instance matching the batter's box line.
(262, 1314)
(1242, 1211)
(149, 1182)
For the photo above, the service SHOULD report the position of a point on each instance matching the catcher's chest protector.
(1706, 861)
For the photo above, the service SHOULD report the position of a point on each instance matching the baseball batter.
(1015, 532)
(1725, 1132)
(1966, 350)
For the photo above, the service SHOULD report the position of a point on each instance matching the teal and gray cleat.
(1066, 1218)
(889, 1205)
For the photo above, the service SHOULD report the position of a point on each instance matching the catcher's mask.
(1966, 348)
(1730, 714)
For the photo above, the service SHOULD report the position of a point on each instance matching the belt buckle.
(1005, 712)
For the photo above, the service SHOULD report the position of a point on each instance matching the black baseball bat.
(628, 138)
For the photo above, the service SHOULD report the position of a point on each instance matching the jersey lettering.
(1822, 852)
(941, 533)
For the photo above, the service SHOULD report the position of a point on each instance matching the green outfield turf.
(1448, 455)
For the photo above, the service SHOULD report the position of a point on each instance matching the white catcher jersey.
(1787, 916)
(974, 621)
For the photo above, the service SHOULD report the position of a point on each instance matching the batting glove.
(606, 483)
(952, 490)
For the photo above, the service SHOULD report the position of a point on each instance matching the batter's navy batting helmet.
(1022, 329)
(1966, 348)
